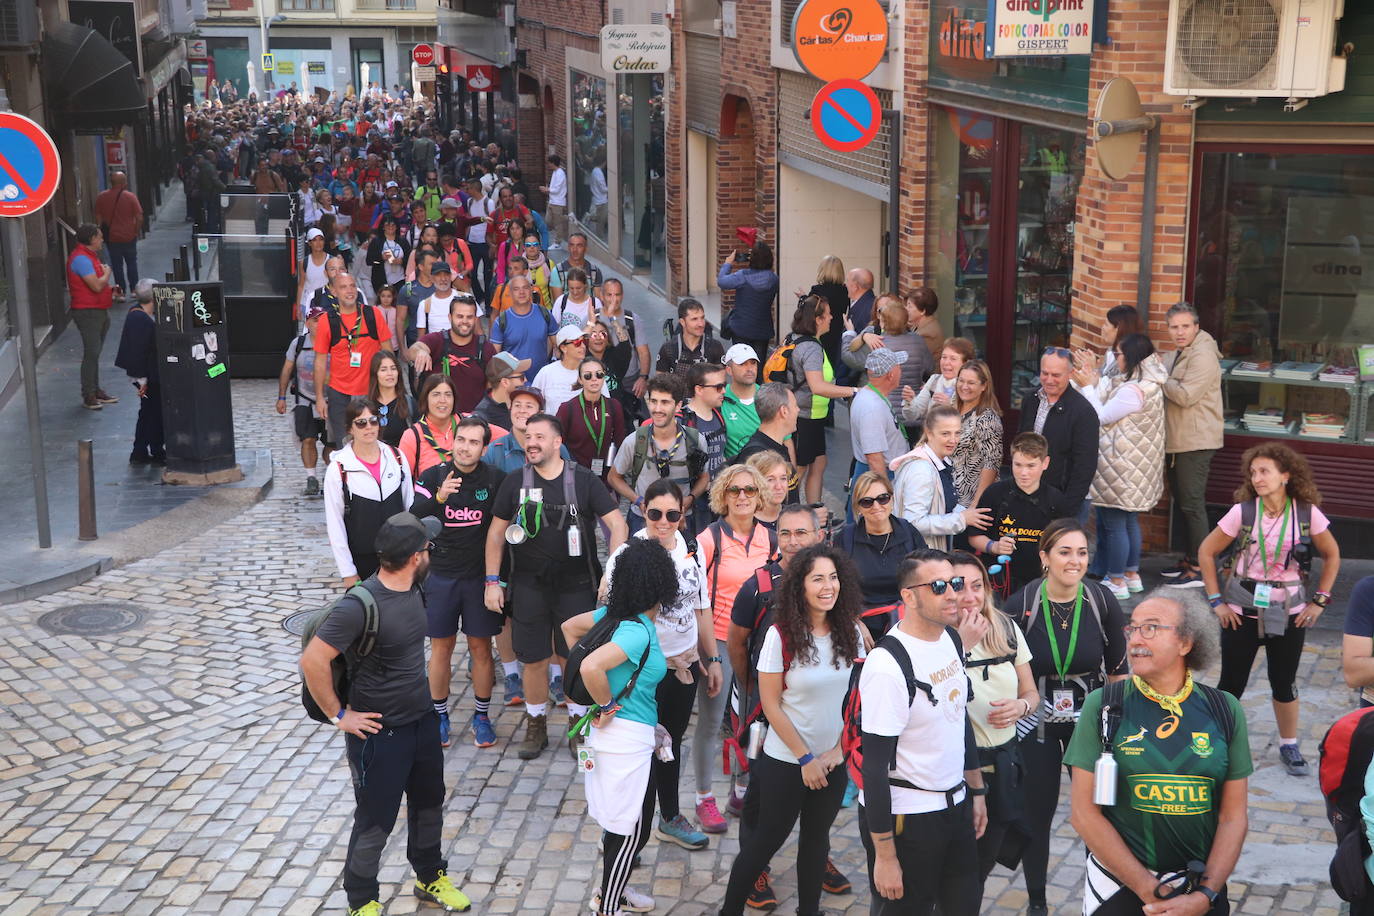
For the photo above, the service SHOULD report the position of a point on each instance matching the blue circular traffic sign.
(846, 115)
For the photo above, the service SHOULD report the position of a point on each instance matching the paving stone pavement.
(169, 769)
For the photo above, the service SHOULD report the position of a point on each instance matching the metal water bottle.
(1104, 773)
(1104, 776)
(758, 731)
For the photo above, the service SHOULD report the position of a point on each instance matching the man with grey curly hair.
(137, 356)
(1177, 754)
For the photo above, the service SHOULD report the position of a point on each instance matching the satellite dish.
(1119, 125)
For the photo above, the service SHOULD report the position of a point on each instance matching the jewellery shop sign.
(1039, 28)
(636, 48)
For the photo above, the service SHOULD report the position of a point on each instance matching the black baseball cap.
(403, 535)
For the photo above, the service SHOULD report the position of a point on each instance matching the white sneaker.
(1119, 592)
(631, 901)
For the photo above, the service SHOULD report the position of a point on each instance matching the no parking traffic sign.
(846, 115)
(29, 167)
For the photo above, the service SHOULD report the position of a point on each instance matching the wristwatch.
(1320, 599)
(1207, 892)
(977, 790)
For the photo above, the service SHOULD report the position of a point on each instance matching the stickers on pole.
(846, 115)
(839, 39)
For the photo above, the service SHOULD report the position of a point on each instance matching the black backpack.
(601, 632)
(341, 668)
(336, 329)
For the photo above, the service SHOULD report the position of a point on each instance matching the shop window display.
(589, 189)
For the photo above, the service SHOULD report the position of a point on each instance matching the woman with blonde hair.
(777, 479)
(889, 330)
(732, 549)
(1004, 692)
(830, 286)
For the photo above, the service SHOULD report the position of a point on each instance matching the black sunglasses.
(655, 515)
(940, 586)
(1058, 351)
(365, 422)
(588, 376)
(882, 499)
(720, 387)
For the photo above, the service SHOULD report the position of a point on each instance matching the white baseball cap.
(739, 354)
(314, 234)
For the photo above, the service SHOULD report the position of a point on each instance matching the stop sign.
(423, 55)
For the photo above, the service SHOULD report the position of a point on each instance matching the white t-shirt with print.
(676, 625)
(812, 695)
(555, 383)
(1001, 683)
(930, 739)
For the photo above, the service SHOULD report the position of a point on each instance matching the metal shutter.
(796, 92)
(703, 83)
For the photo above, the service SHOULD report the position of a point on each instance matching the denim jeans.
(1118, 543)
(124, 262)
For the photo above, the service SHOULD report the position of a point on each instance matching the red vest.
(82, 296)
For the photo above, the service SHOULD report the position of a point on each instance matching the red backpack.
(738, 717)
(1346, 752)
(851, 738)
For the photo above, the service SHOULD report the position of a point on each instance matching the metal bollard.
(85, 490)
(185, 263)
(177, 268)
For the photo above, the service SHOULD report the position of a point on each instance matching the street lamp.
(263, 23)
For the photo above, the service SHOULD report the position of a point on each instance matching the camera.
(1302, 554)
(744, 257)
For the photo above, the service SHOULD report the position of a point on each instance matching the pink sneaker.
(709, 816)
(734, 806)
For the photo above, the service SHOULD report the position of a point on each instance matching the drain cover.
(99, 619)
(295, 624)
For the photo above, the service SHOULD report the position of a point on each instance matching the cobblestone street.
(170, 769)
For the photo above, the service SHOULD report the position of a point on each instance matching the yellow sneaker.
(371, 908)
(442, 892)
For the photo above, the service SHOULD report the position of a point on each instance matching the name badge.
(598, 466)
(1262, 594)
(355, 359)
(586, 758)
(1062, 702)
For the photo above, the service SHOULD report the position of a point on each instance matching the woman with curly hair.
(622, 676)
(803, 670)
(1264, 600)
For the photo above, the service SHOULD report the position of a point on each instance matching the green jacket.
(741, 421)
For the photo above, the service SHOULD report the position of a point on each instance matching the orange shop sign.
(839, 39)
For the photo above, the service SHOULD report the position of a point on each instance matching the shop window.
(639, 125)
(1282, 276)
(1002, 261)
(588, 107)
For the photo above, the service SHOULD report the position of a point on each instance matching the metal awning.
(92, 82)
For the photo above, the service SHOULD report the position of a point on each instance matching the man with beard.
(388, 712)
(544, 530)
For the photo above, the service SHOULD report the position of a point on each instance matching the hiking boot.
(445, 730)
(708, 815)
(536, 737)
(90, 403)
(515, 690)
(442, 892)
(834, 881)
(371, 908)
(573, 740)
(483, 735)
(761, 896)
(679, 830)
(312, 486)
(105, 397)
(556, 696)
(1293, 761)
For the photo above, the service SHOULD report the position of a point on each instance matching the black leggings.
(775, 799)
(619, 851)
(1044, 764)
(675, 702)
(1238, 650)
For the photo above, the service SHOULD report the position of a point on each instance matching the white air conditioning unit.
(1254, 49)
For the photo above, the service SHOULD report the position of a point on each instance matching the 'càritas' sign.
(839, 39)
(636, 48)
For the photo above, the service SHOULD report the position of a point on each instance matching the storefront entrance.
(1002, 250)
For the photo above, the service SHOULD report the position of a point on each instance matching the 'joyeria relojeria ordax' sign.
(636, 48)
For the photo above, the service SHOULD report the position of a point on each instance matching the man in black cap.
(388, 712)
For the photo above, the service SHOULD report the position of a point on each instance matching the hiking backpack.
(779, 366)
(738, 717)
(851, 737)
(1229, 557)
(696, 452)
(574, 688)
(336, 329)
(1346, 752)
(341, 668)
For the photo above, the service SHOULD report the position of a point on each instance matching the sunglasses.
(747, 491)
(365, 422)
(940, 586)
(580, 341)
(882, 499)
(588, 376)
(720, 387)
(656, 515)
(1058, 351)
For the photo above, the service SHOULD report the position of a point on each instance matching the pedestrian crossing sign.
(268, 65)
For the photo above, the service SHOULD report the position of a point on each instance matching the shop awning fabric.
(93, 84)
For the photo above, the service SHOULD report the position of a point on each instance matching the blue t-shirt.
(640, 704)
(506, 454)
(82, 266)
(526, 336)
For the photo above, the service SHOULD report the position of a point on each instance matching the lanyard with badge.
(1263, 589)
(598, 463)
(355, 357)
(1061, 699)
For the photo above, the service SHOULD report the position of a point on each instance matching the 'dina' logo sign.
(1044, 8)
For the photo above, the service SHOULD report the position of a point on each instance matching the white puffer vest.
(1130, 460)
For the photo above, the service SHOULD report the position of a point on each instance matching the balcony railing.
(306, 6)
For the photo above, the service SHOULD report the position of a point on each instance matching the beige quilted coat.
(1130, 459)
